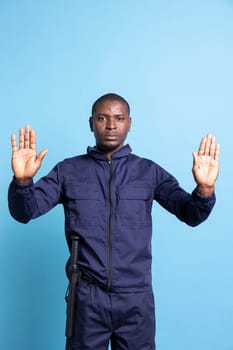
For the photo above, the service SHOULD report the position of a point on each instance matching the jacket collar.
(97, 154)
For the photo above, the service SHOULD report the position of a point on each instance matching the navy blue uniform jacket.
(108, 204)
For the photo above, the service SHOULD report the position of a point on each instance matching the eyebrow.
(109, 116)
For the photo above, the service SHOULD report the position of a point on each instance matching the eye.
(101, 118)
(120, 118)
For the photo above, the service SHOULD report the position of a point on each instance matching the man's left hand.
(206, 165)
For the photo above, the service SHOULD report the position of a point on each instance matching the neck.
(109, 152)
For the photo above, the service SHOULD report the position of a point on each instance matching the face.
(110, 125)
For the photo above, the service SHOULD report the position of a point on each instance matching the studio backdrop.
(172, 61)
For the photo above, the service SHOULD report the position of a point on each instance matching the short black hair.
(110, 96)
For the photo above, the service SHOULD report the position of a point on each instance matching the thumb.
(195, 160)
(42, 154)
(194, 157)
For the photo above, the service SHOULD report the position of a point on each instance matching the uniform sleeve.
(192, 208)
(27, 202)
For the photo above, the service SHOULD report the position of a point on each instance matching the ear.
(91, 123)
(130, 122)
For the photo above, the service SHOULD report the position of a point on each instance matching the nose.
(111, 123)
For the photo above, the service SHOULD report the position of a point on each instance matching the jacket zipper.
(110, 228)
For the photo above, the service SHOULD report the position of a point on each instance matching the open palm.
(25, 161)
(206, 162)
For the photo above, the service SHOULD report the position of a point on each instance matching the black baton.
(73, 281)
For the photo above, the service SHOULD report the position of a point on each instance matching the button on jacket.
(108, 204)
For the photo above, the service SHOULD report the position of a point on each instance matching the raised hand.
(25, 161)
(206, 165)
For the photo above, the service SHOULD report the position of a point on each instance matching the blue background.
(172, 60)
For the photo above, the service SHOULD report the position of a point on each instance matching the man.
(107, 196)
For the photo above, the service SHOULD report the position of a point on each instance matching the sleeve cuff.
(20, 185)
(202, 198)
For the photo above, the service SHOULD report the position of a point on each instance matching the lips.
(111, 136)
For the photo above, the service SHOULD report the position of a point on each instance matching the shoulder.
(143, 161)
(72, 164)
(151, 166)
(73, 160)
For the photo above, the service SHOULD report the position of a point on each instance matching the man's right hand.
(25, 161)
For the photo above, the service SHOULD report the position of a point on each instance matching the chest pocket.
(134, 204)
(83, 204)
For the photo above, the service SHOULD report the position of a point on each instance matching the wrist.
(205, 190)
(23, 181)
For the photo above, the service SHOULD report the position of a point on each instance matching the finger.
(21, 138)
(27, 136)
(202, 147)
(212, 147)
(13, 143)
(217, 152)
(32, 144)
(207, 144)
